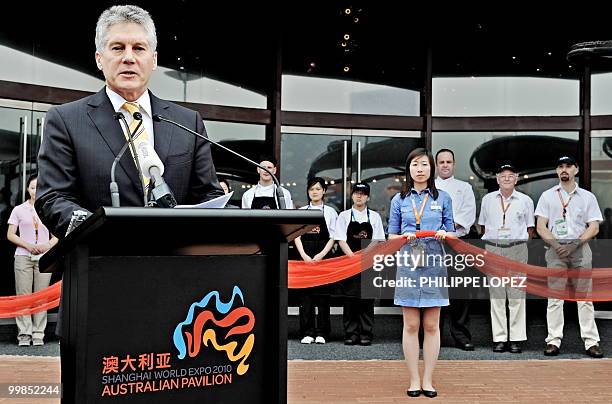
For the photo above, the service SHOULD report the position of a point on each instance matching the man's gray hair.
(124, 14)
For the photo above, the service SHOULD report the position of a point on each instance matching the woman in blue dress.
(421, 270)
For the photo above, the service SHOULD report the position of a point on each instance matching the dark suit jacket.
(82, 138)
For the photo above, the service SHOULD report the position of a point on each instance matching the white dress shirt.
(330, 214)
(581, 210)
(266, 191)
(145, 109)
(344, 219)
(464, 202)
(519, 216)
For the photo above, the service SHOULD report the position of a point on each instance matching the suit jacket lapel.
(163, 131)
(102, 114)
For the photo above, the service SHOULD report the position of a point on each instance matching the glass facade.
(504, 96)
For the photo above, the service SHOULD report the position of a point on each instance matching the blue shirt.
(437, 214)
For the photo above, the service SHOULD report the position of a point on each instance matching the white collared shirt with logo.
(582, 209)
(519, 216)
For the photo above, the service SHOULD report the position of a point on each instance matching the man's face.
(566, 172)
(445, 163)
(264, 176)
(359, 199)
(127, 60)
(507, 180)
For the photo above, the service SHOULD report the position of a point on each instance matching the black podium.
(184, 305)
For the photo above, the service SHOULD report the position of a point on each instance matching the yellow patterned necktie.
(132, 107)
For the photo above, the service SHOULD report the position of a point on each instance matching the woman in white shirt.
(313, 247)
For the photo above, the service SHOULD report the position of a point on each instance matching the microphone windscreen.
(148, 158)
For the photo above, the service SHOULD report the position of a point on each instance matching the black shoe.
(351, 340)
(515, 347)
(595, 352)
(413, 393)
(551, 350)
(466, 346)
(365, 342)
(499, 347)
(430, 393)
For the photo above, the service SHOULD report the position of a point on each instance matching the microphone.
(114, 188)
(152, 167)
(280, 196)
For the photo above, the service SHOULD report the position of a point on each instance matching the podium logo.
(232, 334)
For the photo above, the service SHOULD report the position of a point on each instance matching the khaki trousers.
(516, 331)
(27, 280)
(581, 258)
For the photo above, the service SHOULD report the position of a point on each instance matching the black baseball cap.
(566, 160)
(508, 167)
(361, 187)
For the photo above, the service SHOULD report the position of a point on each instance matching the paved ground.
(381, 381)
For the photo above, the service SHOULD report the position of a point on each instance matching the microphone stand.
(280, 196)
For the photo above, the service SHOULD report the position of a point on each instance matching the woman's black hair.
(431, 181)
(30, 179)
(315, 180)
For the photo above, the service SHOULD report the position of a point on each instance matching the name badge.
(560, 228)
(435, 206)
(503, 233)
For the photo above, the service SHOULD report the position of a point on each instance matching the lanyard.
(564, 204)
(418, 214)
(504, 209)
(35, 221)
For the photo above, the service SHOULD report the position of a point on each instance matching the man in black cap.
(507, 220)
(567, 218)
(356, 228)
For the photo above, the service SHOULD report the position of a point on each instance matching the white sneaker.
(307, 340)
(37, 342)
(24, 342)
(320, 340)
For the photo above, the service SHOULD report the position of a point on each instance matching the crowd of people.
(566, 217)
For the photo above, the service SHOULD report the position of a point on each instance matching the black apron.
(356, 235)
(313, 242)
(264, 202)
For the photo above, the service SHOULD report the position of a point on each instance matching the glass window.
(601, 88)
(534, 154)
(246, 139)
(504, 96)
(316, 94)
(601, 177)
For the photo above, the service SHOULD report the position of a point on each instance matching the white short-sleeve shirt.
(344, 218)
(581, 210)
(519, 216)
(330, 214)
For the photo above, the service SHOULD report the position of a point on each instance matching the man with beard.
(567, 218)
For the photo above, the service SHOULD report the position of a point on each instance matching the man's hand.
(565, 250)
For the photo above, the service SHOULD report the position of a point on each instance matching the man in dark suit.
(83, 137)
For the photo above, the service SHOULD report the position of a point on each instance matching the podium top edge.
(271, 215)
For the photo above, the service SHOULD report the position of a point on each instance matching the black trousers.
(458, 312)
(358, 317)
(311, 323)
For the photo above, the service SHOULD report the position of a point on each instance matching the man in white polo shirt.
(464, 215)
(507, 219)
(567, 218)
